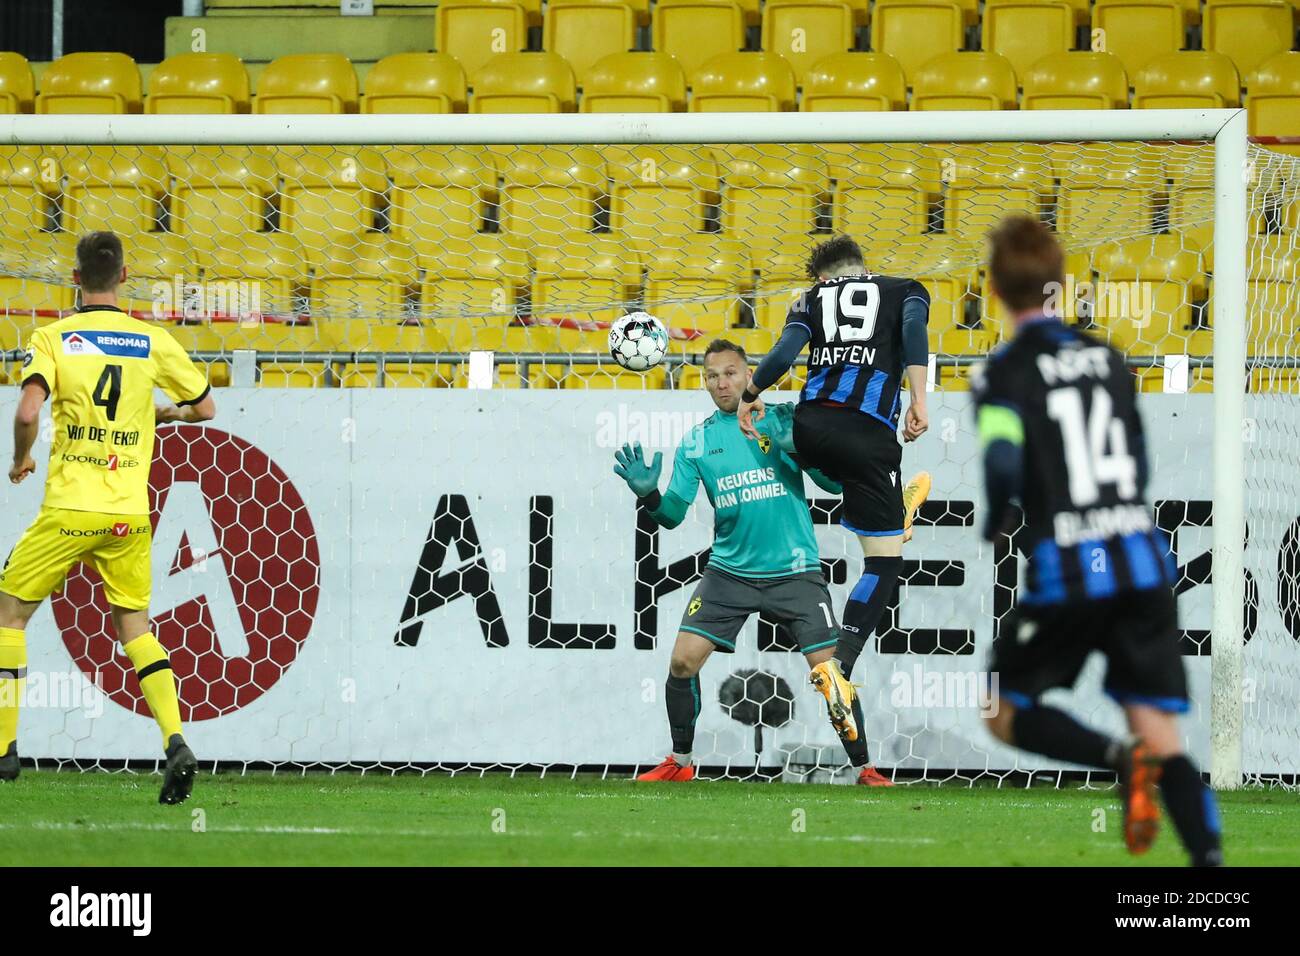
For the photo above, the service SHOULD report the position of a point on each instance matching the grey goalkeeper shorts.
(723, 602)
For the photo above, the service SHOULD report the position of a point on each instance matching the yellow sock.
(13, 675)
(154, 672)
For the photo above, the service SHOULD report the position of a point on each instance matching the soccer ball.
(638, 341)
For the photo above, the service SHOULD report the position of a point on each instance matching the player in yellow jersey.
(100, 367)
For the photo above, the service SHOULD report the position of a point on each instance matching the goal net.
(400, 545)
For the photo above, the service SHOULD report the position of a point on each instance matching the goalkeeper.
(764, 557)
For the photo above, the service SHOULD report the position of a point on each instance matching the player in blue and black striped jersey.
(1060, 430)
(866, 335)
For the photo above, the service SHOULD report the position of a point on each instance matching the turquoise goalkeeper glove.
(630, 465)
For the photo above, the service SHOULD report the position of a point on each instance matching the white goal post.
(1223, 130)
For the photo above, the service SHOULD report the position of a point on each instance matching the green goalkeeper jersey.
(761, 524)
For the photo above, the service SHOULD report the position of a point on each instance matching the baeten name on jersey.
(1071, 528)
(842, 354)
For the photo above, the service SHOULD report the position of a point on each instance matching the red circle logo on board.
(254, 586)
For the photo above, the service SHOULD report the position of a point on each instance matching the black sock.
(857, 749)
(1054, 733)
(1193, 809)
(682, 697)
(866, 604)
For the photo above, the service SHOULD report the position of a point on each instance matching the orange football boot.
(914, 494)
(871, 777)
(670, 770)
(1137, 785)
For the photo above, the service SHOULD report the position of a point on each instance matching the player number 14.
(1096, 450)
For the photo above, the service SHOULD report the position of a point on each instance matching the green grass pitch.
(90, 819)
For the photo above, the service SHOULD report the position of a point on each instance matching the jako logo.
(73, 909)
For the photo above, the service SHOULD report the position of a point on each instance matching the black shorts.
(723, 603)
(1041, 647)
(863, 455)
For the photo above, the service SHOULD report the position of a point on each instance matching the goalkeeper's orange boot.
(839, 693)
(914, 494)
(871, 777)
(671, 771)
(1138, 776)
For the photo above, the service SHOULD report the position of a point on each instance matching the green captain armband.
(999, 423)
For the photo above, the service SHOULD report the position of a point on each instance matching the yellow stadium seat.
(1025, 31)
(1272, 297)
(781, 280)
(989, 181)
(368, 337)
(585, 282)
(771, 196)
(586, 31)
(965, 81)
(550, 193)
(855, 81)
(480, 286)
(474, 31)
(1191, 194)
(806, 31)
(1106, 190)
(914, 32)
(307, 83)
(368, 279)
(1193, 79)
(17, 89)
(1138, 31)
(1274, 102)
(439, 195)
(743, 83)
(198, 83)
(35, 284)
(220, 192)
(605, 373)
(259, 275)
(329, 194)
(282, 337)
(28, 182)
(415, 83)
(198, 336)
(697, 285)
(1145, 294)
(1249, 31)
(524, 83)
(159, 265)
(634, 83)
(695, 31)
(1272, 303)
(1076, 81)
(947, 266)
(883, 191)
(116, 188)
(90, 83)
(502, 339)
(659, 193)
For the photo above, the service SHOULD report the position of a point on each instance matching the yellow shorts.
(117, 546)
